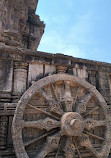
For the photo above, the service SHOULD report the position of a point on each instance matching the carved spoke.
(50, 145)
(54, 93)
(91, 124)
(45, 95)
(47, 124)
(55, 108)
(39, 138)
(59, 145)
(81, 106)
(67, 99)
(94, 136)
(69, 148)
(76, 95)
(91, 111)
(58, 106)
(79, 154)
(38, 109)
(85, 142)
(54, 103)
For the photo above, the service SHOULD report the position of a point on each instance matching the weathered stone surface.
(6, 75)
(80, 71)
(19, 26)
(92, 77)
(35, 72)
(104, 86)
(3, 131)
(66, 94)
(59, 90)
(49, 69)
(20, 78)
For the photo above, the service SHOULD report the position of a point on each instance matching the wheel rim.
(74, 98)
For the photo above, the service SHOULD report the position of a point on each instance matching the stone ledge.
(29, 55)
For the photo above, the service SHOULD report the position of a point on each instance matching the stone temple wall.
(21, 66)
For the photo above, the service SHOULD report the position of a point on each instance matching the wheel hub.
(72, 124)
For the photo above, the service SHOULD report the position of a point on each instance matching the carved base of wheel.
(61, 116)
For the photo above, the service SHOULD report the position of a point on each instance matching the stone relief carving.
(61, 116)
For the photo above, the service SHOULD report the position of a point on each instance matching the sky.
(78, 28)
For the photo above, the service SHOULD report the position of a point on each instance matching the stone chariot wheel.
(61, 116)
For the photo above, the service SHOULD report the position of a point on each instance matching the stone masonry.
(51, 105)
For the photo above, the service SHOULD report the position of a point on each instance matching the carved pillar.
(92, 77)
(9, 133)
(80, 72)
(84, 72)
(20, 78)
(6, 77)
(61, 69)
(103, 85)
(3, 131)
